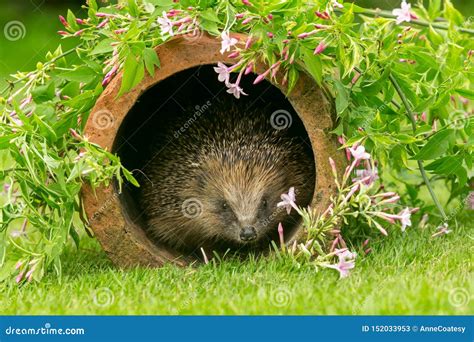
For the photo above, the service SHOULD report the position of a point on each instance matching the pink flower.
(366, 176)
(223, 72)
(103, 23)
(227, 42)
(333, 166)
(346, 262)
(405, 220)
(235, 90)
(109, 75)
(78, 33)
(248, 43)
(248, 69)
(423, 117)
(166, 25)
(320, 48)
(281, 235)
(19, 276)
(288, 200)
(337, 4)
(359, 153)
(470, 200)
(393, 199)
(261, 77)
(403, 13)
(424, 221)
(442, 230)
(322, 15)
(63, 21)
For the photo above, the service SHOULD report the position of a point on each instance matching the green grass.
(407, 273)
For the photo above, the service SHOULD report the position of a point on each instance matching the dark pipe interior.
(191, 88)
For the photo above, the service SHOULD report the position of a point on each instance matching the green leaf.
(467, 93)
(151, 60)
(210, 15)
(293, 76)
(71, 20)
(452, 14)
(103, 47)
(313, 65)
(436, 146)
(342, 97)
(43, 93)
(449, 165)
(133, 73)
(434, 9)
(133, 8)
(82, 74)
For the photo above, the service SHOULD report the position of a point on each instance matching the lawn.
(408, 273)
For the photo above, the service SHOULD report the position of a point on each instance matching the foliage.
(401, 90)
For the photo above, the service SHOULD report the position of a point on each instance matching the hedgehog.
(213, 180)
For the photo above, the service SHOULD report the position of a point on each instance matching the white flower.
(227, 42)
(442, 230)
(235, 90)
(337, 4)
(405, 215)
(359, 153)
(403, 13)
(166, 25)
(288, 200)
(346, 262)
(368, 175)
(223, 72)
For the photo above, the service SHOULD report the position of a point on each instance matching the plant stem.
(420, 163)
(388, 14)
(64, 54)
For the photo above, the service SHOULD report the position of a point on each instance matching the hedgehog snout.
(248, 233)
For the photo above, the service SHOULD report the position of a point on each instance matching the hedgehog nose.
(248, 234)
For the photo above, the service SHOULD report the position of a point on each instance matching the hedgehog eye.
(224, 205)
(264, 203)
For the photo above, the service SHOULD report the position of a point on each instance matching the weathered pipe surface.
(123, 240)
